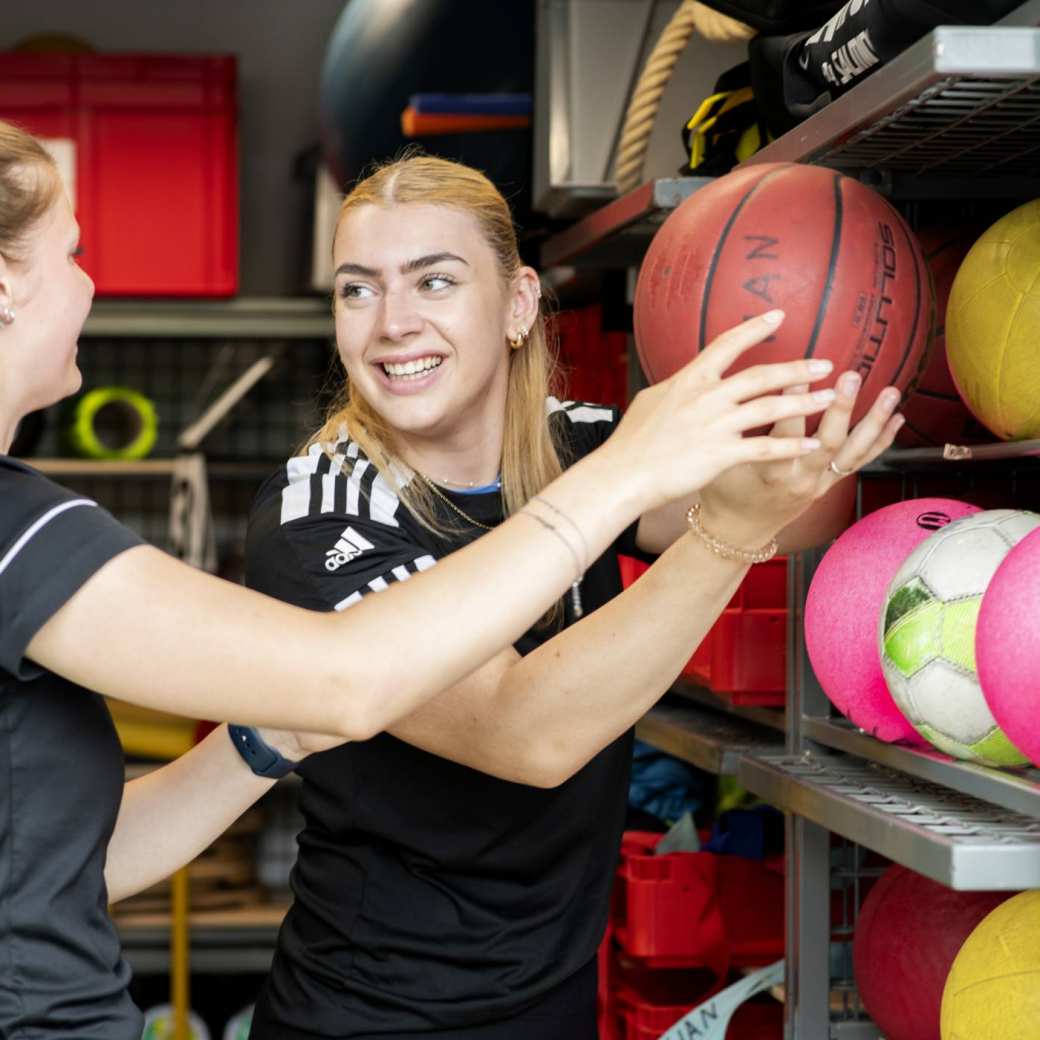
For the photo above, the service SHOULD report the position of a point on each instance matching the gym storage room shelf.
(1002, 451)
(705, 738)
(952, 838)
(65, 468)
(961, 103)
(956, 114)
(617, 235)
(222, 941)
(773, 718)
(1018, 791)
(272, 318)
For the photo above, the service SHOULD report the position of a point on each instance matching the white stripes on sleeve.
(37, 526)
(400, 573)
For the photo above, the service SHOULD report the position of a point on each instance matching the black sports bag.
(813, 68)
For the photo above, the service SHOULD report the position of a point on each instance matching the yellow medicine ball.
(993, 989)
(993, 326)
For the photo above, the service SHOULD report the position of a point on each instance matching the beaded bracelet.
(724, 549)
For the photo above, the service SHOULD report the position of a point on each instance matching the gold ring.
(836, 469)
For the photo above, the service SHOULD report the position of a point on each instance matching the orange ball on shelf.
(829, 251)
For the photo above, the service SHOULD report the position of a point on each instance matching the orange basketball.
(831, 252)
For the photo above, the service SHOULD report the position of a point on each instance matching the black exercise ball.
(383, 51)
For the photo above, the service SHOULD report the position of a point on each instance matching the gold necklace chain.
(467, 483)
(451, 505)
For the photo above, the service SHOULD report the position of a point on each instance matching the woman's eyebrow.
(429, 261)
(408, 268)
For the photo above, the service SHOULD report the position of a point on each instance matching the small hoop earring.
(518, 339)
(6, 315)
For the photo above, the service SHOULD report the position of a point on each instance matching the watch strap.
(263, 759)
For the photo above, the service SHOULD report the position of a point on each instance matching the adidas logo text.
(349, 547)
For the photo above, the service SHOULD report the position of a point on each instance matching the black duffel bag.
(797, 74)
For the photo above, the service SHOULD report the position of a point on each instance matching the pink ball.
(1007, 646)
(845, 601)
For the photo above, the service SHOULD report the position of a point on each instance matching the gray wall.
(280, 45)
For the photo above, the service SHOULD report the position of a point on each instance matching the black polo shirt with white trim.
(61, 970)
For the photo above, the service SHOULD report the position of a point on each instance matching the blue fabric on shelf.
(755, 833)
(664, 786)
(472, 104)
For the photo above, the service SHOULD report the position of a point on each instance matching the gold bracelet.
(724, 549)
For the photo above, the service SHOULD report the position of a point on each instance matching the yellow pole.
(180, 962)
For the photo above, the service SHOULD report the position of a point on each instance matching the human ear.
(6, 293)
(526, 292)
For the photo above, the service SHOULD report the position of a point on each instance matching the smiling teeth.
(411, 369)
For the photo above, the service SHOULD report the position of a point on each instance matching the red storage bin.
(152, 150)
(687, 909)
(639, 1019)
(594, 360)
(748, 658)
(744, 655)
(665, 988)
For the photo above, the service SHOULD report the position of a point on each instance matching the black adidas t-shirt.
(61, 971)
(428, 896)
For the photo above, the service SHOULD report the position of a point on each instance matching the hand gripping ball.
(828, 250)
(845, 599)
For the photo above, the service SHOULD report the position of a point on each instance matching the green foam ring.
(144, 420)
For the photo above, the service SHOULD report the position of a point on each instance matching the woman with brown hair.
(453, 872)
(86, 608)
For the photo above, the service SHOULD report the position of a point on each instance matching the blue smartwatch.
(263, 759)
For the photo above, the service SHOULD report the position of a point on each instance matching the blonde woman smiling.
(453, 873)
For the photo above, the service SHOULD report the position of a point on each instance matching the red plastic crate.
(594, 360)
(638, 1019)
(665, 987)
(744, 655)
(689, 909)
(154, 163)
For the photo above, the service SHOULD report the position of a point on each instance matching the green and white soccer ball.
(927, 634)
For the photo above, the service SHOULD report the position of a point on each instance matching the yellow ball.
(993, 989)
(993, 326)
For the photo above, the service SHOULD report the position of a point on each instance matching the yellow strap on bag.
(707, 115)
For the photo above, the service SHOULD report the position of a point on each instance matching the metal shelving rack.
(156, 468)
(953, 838)
(708, 739)
(960, 104)
(966, 826)
(772, 718)
(956, 115)
(619, 233)
(261, 317)
(240, 941)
